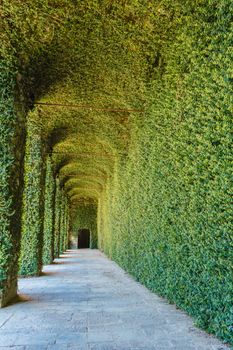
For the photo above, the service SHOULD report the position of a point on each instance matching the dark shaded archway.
(83, 238)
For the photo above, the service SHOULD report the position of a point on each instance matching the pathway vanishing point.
(86, 302)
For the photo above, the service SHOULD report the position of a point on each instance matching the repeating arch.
(126, 108)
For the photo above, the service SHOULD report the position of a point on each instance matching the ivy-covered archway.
(126, 110)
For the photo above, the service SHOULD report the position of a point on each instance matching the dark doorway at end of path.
(83, 238)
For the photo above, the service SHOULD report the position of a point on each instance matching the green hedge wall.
(7, 119)
(11, 154)
(166, 217)
(48, 236)
(57, 215)
(33, 201)
(63, 223)
(85, 216)
(66, 226)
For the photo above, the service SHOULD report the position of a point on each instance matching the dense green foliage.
(62, 224)
(63, 233)
(161, 177)
(85, 217)
(33, 202)
(11, 141)
(66, 231)
(173, 191)
(48, 232)
(57, 219)
(7, 118)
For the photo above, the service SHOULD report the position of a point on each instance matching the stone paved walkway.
(86, 302)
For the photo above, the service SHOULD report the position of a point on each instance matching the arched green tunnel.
(116, 116)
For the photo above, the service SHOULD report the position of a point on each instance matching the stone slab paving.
(84, 301)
